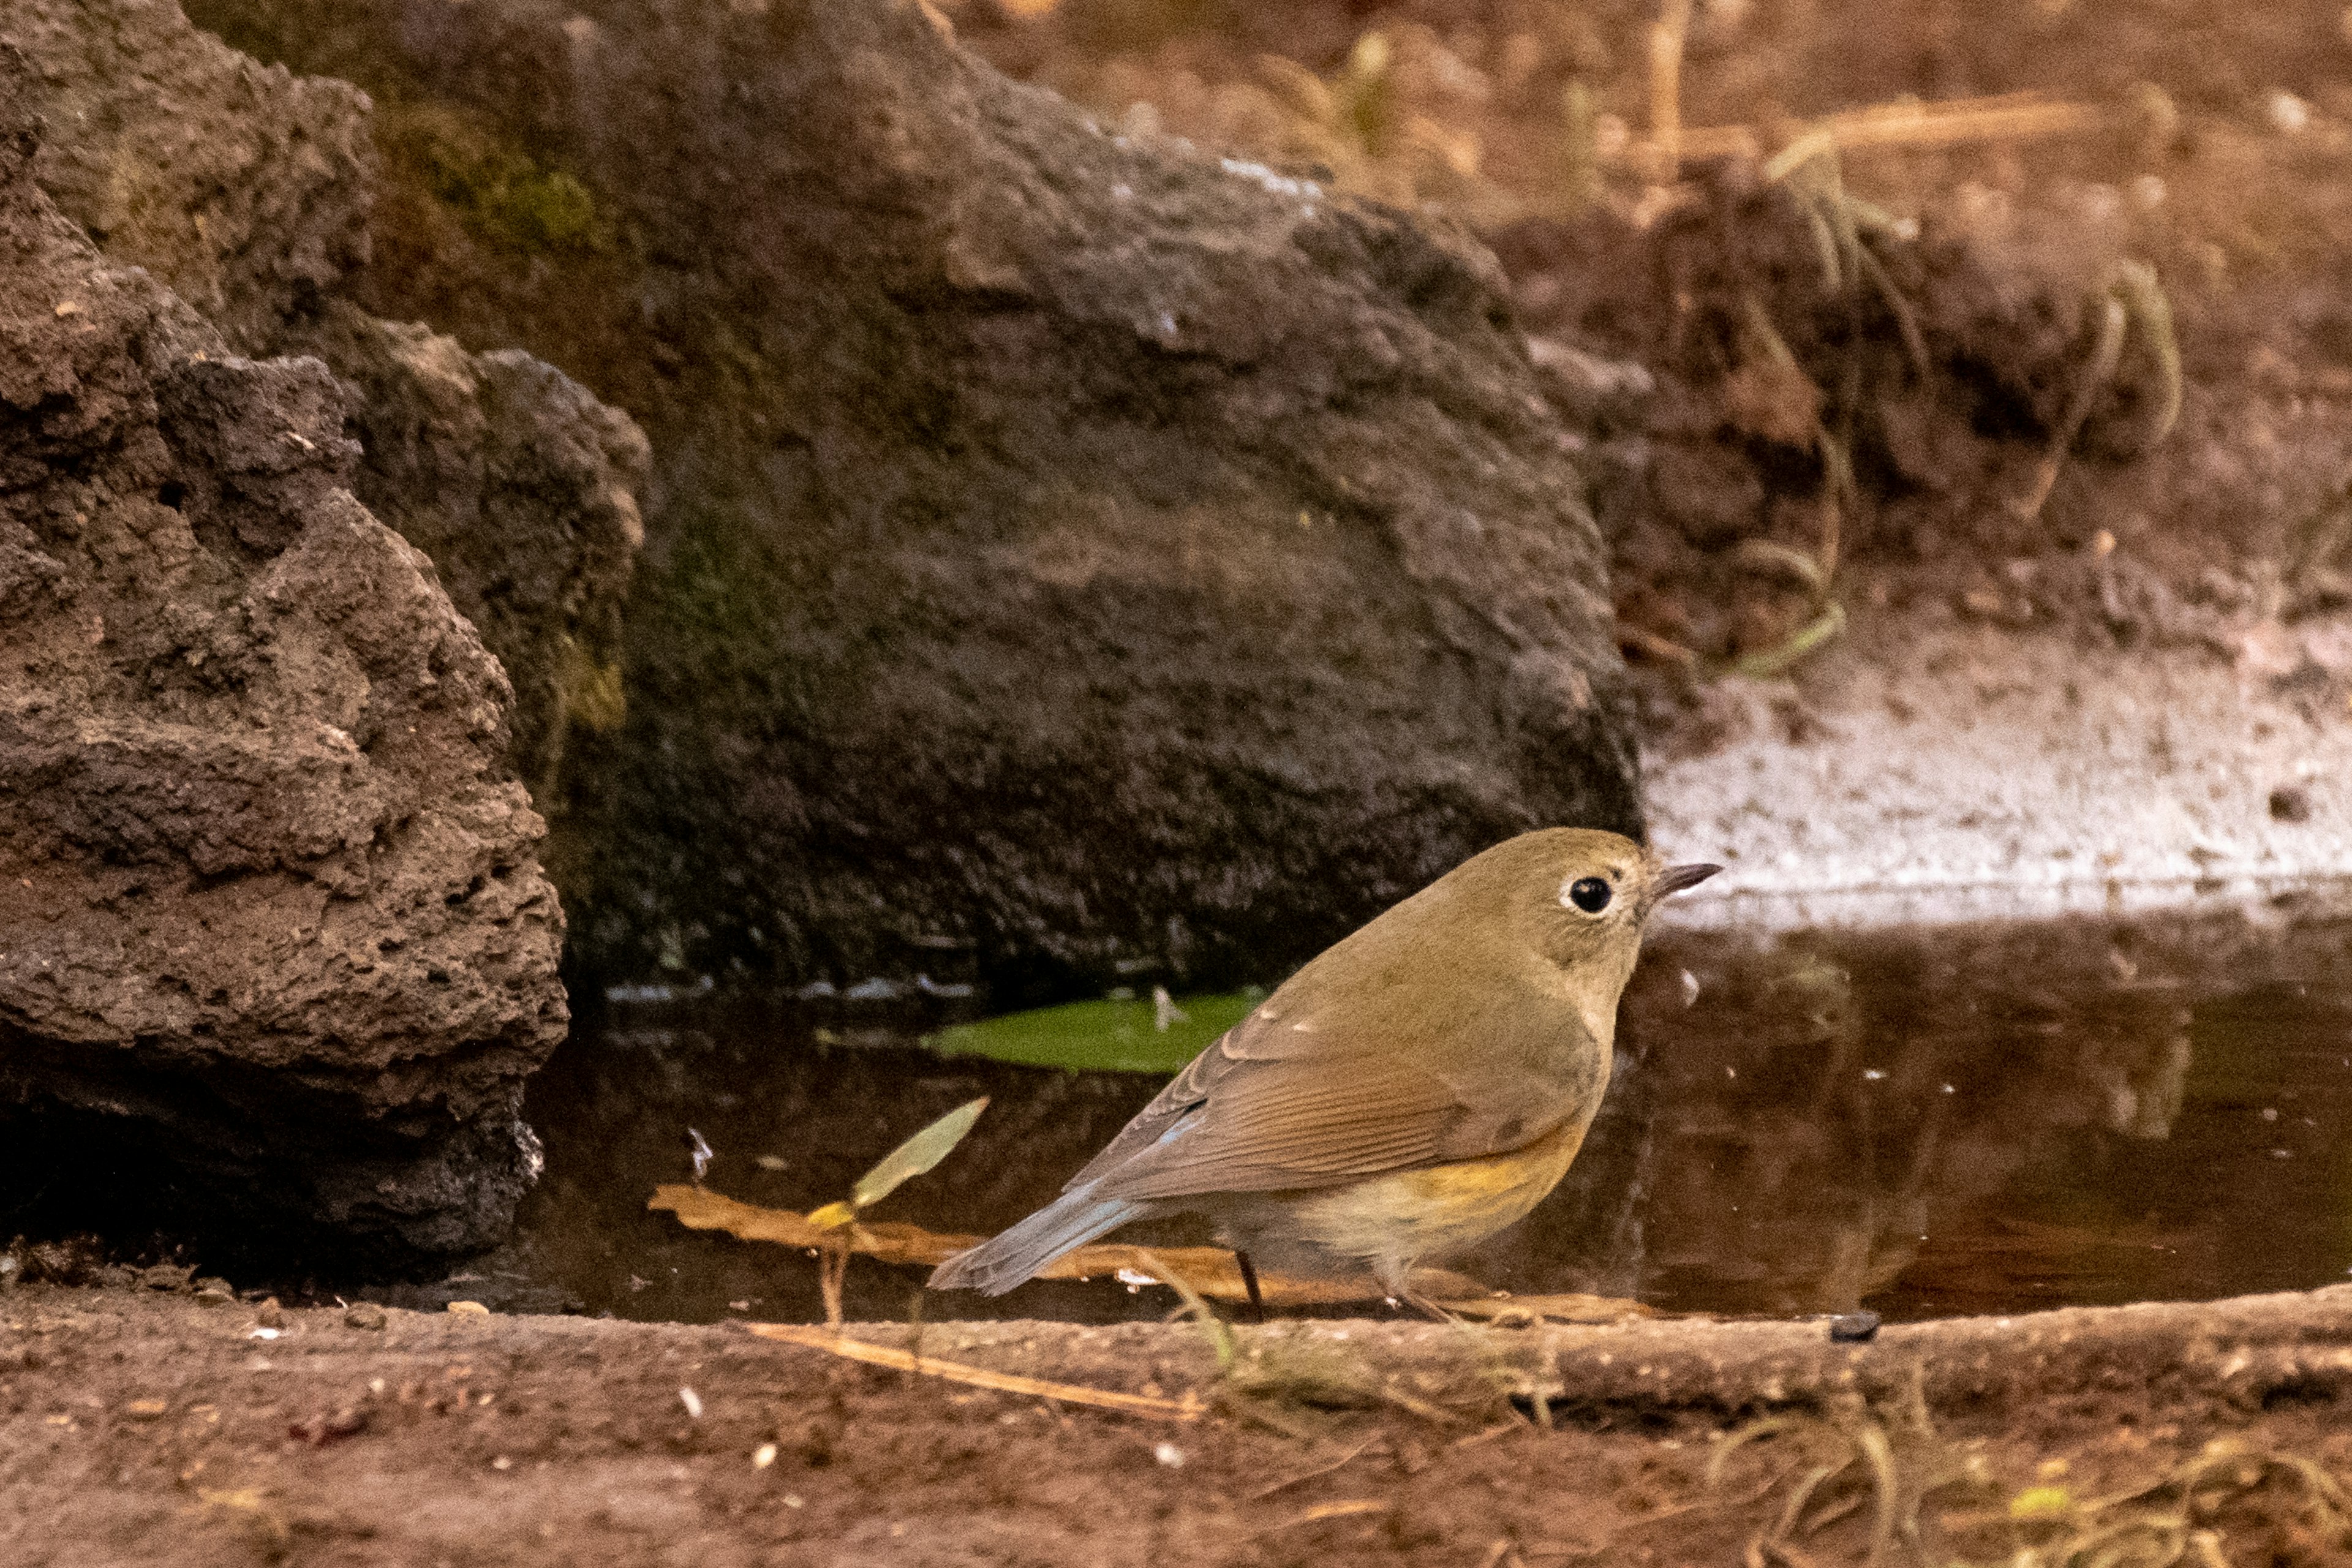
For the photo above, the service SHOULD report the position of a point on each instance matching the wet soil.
(133, 1423)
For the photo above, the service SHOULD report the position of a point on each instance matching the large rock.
(1072, 555)
(522, 488)
(275, 952)
(246, 191)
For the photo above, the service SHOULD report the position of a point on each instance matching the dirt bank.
(133, 1421)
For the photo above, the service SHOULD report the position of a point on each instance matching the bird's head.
(1579, 895)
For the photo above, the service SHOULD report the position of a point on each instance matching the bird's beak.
(1676, 878)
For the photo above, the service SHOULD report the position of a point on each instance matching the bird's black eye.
(1591, 894)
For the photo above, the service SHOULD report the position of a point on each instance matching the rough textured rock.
(275, 951)
(246, 191)
(521, 488)
(243, 188)
(1072, 556)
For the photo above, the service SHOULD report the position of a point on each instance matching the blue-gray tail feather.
(1007, 1259)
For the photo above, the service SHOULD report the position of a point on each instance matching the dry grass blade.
(1802, 1493)
(1909, 123)
(1344, 1508)
(1220, 1334)
(1288, 1481)
(1770, 555)
(1907, 321)
(1779, 661)
(1580, 166)
(2106, 355)
(832, 1343)
(1888, 1492)
(2150, 310)
(1567, 1307)
(1632, 638)
(1766, 1426)
(1666, 38)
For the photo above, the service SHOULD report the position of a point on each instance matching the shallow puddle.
(1982, 1120)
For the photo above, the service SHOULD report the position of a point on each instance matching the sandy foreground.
(134, 1423)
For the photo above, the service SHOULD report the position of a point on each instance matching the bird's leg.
(1249, 1282)
(1395, 1276)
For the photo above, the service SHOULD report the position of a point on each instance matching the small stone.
(146, 1409)
(322, 1430)
(2291, 803)
(469, 1310)
(165, 1276)
(1854, 1327)
(363, 1315)
(269, 1314)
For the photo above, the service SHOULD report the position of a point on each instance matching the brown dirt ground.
(133, 1421)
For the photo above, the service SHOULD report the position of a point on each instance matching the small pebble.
(2291, 803)
(1854, 1327)
(322, 1430)
(146, 1409)
(215, 1293)
(469, 1310)
(269, 1314)
(363, 1315)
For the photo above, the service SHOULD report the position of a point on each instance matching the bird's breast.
(1438, 1209)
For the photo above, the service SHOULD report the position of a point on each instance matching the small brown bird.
(1413, 1090)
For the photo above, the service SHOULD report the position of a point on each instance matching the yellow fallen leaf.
(2042, 1503)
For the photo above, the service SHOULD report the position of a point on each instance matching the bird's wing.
(1273, 1106)
(1270, 1127)
(1184, 1094)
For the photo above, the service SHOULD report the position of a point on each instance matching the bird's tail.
(1007, 1259)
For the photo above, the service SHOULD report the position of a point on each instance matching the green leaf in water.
(916, 1155)
(1101, 1037)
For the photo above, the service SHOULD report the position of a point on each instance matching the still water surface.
(1982, 1120)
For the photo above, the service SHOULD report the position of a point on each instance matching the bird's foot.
(1422, 1304)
